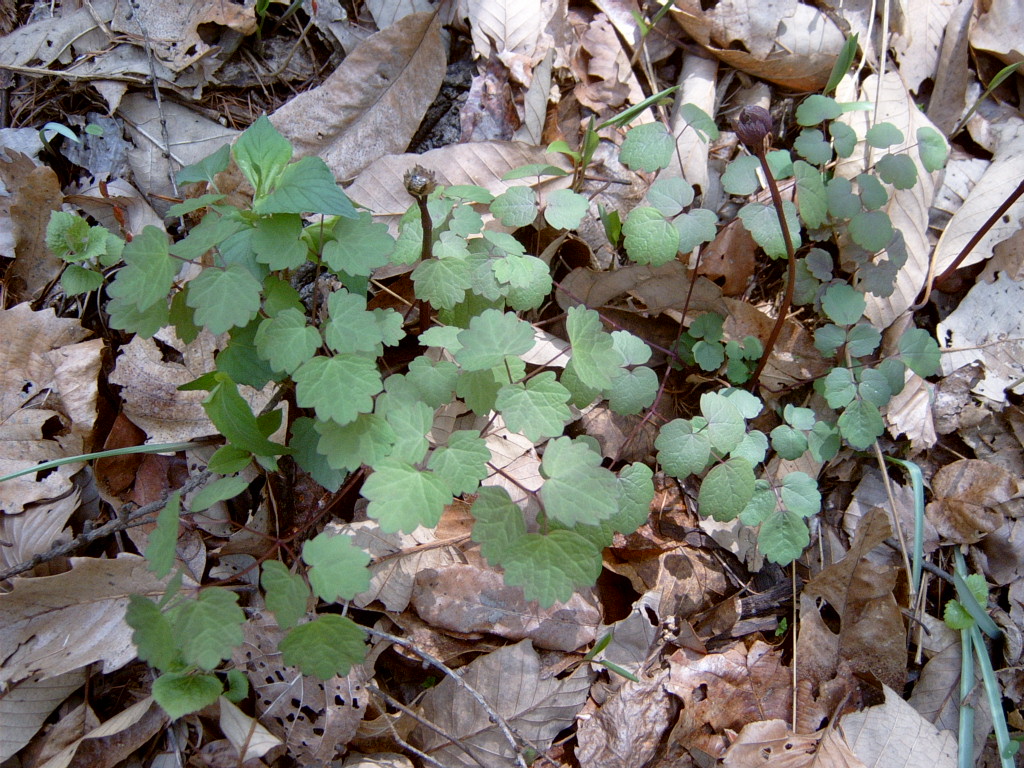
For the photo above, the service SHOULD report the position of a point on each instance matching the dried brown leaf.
(511, 681)
(999, 180)
(771, 744)
(25, 706)
(150, 384)
(727, 690)
(380, 187)
(59, 623)
(611, 737)
(907, 208)
(784, 41)
(893, 734)
(472, 598)
(35, 193)
(372, 104)
(110, 743)
(966, 499)
(859, 594)
(313, 718)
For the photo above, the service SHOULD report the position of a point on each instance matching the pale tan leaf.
(516, 465)
(907, 208)
(152, 400)
(988, 326)
(998, 181)
(25, 706)
(109, 744)
(55, 624)
(382, 190)
(386, 12)
(46, 40)
(919, 41)
(910, 413)
(1000, 29)
(505, 25)
(38, 345)
(36, 529)
(100, 202)
(771, 744)
(510, 679)
(697, 80)
(194, 137)
(175, 30)
(783, 41)
(893, 734)
(472, 597)
(250, 739)
(936, 696)
(377, 760)
(372, 104)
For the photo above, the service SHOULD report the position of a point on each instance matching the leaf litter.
(714, 669)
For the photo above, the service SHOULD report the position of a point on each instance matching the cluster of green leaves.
(239, 282)
(844, 214)
(703, 344)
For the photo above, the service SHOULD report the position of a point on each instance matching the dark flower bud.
(754, 127)
(419, 182)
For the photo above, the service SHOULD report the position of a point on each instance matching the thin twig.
(492, 715)
(123, 521)
(426, 724)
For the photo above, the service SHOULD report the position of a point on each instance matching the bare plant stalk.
(754, 127)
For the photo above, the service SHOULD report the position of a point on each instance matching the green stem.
(158, 448)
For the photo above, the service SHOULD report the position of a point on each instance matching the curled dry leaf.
(1000, 178)
(910, 413)
(967, 499)
(784, 41)
(472, 598)
(727, 690)
(250, 739)
(111, 743)
(627, 729)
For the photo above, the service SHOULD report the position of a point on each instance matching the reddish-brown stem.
(787, 297)
(970, 246)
